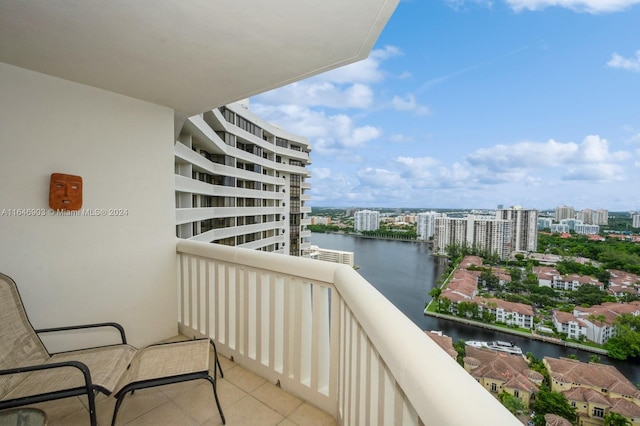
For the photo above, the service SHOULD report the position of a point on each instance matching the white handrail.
(328, 336)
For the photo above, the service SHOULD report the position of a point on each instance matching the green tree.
(589, 295)
(615, 419)
(435, 294)
(548, 401)
(461, 348)
(512, 403)
(626, 342)
(445, 305)
(489, 279)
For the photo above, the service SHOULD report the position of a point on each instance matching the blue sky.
(474, 103)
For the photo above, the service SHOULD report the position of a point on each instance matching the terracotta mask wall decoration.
(65, 192)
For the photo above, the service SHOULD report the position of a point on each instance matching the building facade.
(328, 255)
(366, 220)
(565, 212)
(426, 224)
(241, 181)
(524, 235)
(482, 232)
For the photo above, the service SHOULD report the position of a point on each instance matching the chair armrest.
(11, 403)
(83, 326)
(29, 368)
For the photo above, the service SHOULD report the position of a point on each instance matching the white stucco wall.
(73, 270)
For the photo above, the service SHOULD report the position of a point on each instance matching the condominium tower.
(565, 212)
(240, 181)
(426, 224)
(524, 237)
(366, 220)
(485, 233)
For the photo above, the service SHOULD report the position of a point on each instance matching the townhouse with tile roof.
(501, 372)
(600, 319)
(444, 341)
(572, 282)
(621, 283)
(463, 287)
(567, 323)
(594, 390)
(545, 274)
(510, 313)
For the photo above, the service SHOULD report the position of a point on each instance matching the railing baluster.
(326, 335)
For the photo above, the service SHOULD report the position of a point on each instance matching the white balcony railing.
(326, 335)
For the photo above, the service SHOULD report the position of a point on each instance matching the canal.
(405, 273)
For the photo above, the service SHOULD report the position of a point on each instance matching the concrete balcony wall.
(88, 268)
(324, 333)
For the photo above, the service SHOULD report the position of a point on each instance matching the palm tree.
(512, 403)
(435, 293)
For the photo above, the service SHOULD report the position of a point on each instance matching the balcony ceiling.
(188, 55)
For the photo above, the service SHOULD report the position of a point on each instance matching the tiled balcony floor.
(246, 399)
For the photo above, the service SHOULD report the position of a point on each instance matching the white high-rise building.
(635, 220)
(426, 224)
(240, 181)
(482, 232)
(587, 229)
(544, 222)
(601, 217)
(524, 237)
(565, 212)
(367, 220)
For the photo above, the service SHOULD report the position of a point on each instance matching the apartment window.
(494, 387)
(249, 126)
(228, 115)
(227, 138)
(598, 412)
(282, 142)
(516, 393)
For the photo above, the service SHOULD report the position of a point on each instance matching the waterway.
(405, 272)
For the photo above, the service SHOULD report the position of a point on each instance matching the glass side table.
(23, 417)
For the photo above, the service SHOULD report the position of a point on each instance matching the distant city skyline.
(471, 104)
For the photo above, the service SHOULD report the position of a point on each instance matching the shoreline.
(415, 241)
(519, 333)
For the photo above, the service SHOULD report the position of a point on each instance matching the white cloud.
(320, 93)
(365, 71)
(594, 149)
(408, 103)
(345, 87)
(532, 155)
(400, 138)
(590, 6)
(523, 155)
(595, 172)
(630, 64)
(330, 134)
(380, 178)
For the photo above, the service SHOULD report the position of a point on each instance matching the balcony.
(301, 342)
(322, 333)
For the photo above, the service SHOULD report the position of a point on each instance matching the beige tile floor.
(246, 399)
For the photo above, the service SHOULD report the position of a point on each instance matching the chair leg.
(217, 360)
(92, 408)
(117, 407)
(215, 394)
